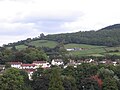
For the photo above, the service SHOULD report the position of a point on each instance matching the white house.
(57, 62)
(15, 64)
(28, 66)
(42, 64)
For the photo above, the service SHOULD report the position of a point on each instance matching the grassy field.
(21, 47)
(88, 50)
(92, 50)
(112, 48)
(82, 46)
(44, 43)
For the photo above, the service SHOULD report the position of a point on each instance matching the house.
(71, 63)
(15, 64)
(28, 66)
(42, 64)
(57, 62)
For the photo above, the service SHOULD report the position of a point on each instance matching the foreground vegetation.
(84, 77)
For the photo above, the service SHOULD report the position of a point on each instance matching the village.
(31, 68)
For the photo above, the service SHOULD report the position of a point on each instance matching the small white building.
(114, 63)
(16, 64)
(57, 62)
(42, 64)
(70, 49)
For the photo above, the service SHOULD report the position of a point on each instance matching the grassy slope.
(82, 46)
(20, 47)
(92, 50)
(43, 43)
(89, 49)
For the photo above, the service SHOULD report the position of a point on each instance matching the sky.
(22, 19)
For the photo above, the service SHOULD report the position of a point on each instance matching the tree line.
(27, 55)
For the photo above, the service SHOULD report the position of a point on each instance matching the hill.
(108, 36)
(112, 27)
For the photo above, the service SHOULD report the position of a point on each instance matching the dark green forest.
(108, 36)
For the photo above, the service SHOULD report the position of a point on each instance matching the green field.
(112, 48)
(82, 46)
(88, 50)
(92, 50)
(21, 47)
(43, 43)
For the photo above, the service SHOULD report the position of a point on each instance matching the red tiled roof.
(15, 63)
(39, 61)
(28, 65)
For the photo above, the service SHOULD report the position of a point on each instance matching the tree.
(41, 83)
(37, 73)
(28, 55)
(89, 84)
(110, 81)
(40, 79)
(63, 52)
(13, 48)
(84, 71)
(109, 84)
(103, 73)
(55, 80)
(11, 80)
(7, 55)
(69, 71)
(69, 83)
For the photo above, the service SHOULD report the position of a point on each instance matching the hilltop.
(112, 27)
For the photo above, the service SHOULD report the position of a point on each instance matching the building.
(42, 64)
(15, 64)
(57, 62)
(28, 66)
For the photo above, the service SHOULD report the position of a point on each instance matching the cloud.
(20, 19)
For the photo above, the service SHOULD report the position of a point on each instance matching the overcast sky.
(21, 19)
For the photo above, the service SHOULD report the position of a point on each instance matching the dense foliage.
(27, 55)
(83, 77)
(11, 80)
